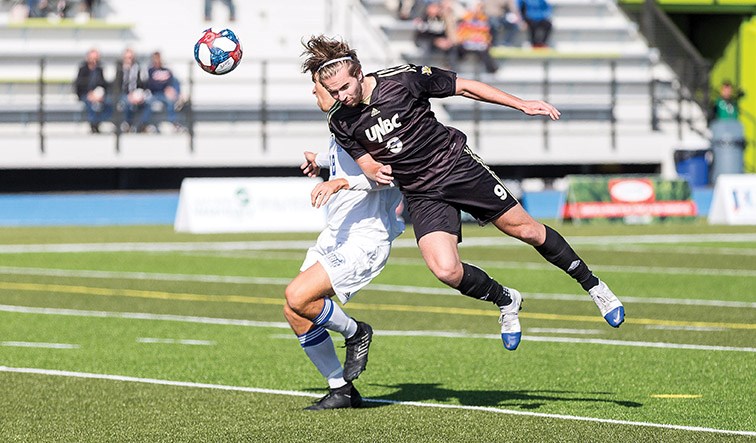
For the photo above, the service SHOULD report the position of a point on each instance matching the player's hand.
(309, 167)
(383, 175)
(322, 192)
(540, 107)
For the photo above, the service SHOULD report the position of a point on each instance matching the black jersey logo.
(382, 128)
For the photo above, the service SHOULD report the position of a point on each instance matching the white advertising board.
(224, 205)
(734, 201)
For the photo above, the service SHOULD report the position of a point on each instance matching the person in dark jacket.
(91, 88)
(129, 88)
(163, 88)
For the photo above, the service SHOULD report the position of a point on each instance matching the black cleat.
(357, 351)
(339, 398)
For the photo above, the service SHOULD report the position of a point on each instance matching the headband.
(336, 60)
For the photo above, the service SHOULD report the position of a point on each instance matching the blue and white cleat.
(510, 323)
(608, 303)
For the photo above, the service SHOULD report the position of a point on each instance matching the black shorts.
(471, 187)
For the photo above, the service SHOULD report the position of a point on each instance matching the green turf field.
(141, 334)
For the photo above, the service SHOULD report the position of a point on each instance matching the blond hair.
(326, 56)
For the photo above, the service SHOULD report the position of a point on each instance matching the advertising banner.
(631, 199)
(224, 205)
(734, 201)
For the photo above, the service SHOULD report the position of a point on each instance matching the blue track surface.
(159, 208)
(88, 209)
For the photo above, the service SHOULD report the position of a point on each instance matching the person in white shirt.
(362, 222)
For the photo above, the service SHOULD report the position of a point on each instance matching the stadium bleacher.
(619, 103)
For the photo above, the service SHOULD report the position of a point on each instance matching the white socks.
(318, 346)
(333, 318)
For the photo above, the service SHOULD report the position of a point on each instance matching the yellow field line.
(160, 295)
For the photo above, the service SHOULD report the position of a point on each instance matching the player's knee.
(530, 233)
(450, 274)
(295, 300)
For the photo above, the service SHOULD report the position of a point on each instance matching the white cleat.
(608, 303)
(510, 323)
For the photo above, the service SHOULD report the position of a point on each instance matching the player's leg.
(308, 296)
(318, 346)
(517, 223)
(305, 295)
(439, 250)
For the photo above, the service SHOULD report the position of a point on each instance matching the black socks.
(559, 253)
(477, 284)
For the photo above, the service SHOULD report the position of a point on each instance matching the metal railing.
(691, 68)
(266, 108)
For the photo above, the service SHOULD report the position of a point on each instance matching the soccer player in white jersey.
(362, 222)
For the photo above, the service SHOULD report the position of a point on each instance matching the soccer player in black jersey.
(384, 120)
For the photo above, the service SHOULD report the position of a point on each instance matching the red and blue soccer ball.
(218, 52)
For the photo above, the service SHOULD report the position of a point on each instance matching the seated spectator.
(474, 37)
(537, 15)
(48, 8)
(162, 87)
(504, 20)
(129, 88)
(433, 33)
(404, 9)
(87, 9)
(91, 88)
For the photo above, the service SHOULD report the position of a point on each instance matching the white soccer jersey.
(362, 222)
(365, 210)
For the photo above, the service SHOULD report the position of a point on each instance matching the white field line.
(707, 250)
(30, 344)
(417, 290)
(564, 331)
(174, 341)
(500, 264)
(121, 378)
(623, 239)
(157, 247)
(603, 268)
(498, 241)
(443, 334)
(685, 328)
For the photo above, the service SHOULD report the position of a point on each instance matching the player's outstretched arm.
(486, 93)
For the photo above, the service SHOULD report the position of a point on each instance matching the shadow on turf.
(520, 399)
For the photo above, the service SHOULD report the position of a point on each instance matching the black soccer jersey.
(398, 127)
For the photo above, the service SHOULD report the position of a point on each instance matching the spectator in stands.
(474, 37)
(229, 4)
(91, 88)
(504, 20)
(129, 88)
(434, 33)
(537, 15)
(87, 8)
(726, 105)
(48, 8)
(403, 8)
(163, 88)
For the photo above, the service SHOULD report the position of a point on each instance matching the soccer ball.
(218, 52)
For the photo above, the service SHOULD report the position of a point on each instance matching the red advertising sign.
(629, 198)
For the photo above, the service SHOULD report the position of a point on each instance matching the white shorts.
(350, 266)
